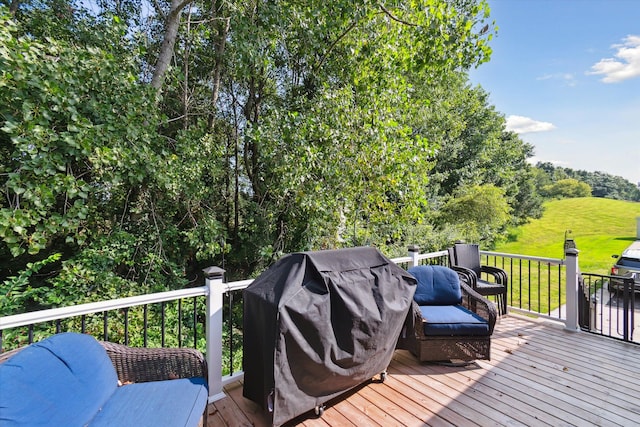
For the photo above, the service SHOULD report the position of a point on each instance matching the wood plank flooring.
(539, 375)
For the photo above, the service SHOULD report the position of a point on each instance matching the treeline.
(558, 182)
(141, 142)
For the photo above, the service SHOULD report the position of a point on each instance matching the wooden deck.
(539, 374)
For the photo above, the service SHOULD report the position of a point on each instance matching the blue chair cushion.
(452, 320)
(62, 380)
(437, 285)
(158, 403)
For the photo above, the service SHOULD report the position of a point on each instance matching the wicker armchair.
(455, 342)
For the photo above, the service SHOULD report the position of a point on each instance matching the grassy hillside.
(600, 228)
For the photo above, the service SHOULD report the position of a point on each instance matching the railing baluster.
(511, 279)
(519, 267)
(179, 323)
(539, 285)
(549, 288)
(145, 325)
(230, 323)
(560, 290)
(632, 311)
(529, 283)
(162, 323)
(126, 326)
(628, 289)
(195, 324)
(105, 326)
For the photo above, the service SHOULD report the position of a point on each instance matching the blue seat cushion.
(452, 320)
(62, 380)
(158, 403)
(437, 285)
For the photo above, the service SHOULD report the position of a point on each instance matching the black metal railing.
(536, 284)
(232, 335)
(607, 310)
(438, 260)
(178, 323)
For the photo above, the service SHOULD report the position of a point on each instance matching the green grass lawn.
(600, 228)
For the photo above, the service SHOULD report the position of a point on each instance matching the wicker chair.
(457, 341)
(465, 259)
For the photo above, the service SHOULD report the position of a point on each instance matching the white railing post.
(214, 281)
(414, 251)
(572, 271)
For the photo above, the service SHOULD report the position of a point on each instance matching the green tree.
(76, 130)
(472, 147)
(476, 213)
(566, 188)
(602, 184)
(85, 172)
(323, 107)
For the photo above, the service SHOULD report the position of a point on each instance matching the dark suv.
(626, 264)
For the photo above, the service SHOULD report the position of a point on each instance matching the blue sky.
(566, 75)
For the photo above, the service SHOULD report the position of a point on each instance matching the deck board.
(539, 374)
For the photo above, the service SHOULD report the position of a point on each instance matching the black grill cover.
(317, 324)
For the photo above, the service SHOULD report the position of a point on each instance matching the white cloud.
(567, 78)
(520, 124)
(625, 65)
(535, 160)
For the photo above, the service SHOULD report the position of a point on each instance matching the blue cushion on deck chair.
(158, 403)
(437, 285)
(452, 320)
(61, 381)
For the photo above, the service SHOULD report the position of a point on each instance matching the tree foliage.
(76, 129)
(86, 173)
(476, 213)
(601, 184)
(566, 189)
(473, 148)
(275, 127)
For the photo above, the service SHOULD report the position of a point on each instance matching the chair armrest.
(415, 323)
(136, 365)
(499, 274)
(466, 275)
(475, 302)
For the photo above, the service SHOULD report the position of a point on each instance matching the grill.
(317, 324)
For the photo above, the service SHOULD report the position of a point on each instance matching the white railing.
(34, 317)
(556, 261)
(214, 290)
(544, 275)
